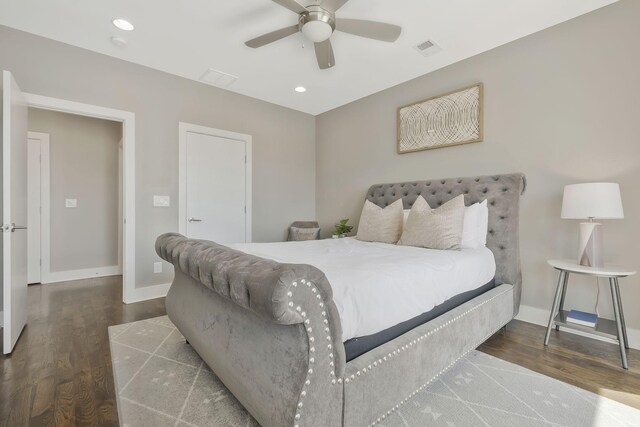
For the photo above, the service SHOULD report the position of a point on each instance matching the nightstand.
(613, 329)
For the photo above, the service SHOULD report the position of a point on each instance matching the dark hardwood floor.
(60, 371)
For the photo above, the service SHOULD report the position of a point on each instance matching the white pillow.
(476, 223)
(483, 227)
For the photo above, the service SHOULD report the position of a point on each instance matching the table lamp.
(595, 200)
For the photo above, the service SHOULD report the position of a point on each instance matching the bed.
(278, 331)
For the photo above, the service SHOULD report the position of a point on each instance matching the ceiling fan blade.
(272, 36)
(292, 5)
(324, 54)
(369, 29)
(333, 5)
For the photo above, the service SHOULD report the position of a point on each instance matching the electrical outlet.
(157, 267)
(70, 203)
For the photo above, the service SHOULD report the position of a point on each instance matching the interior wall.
(1, 204)
(561, 105)
(83, 166)
(283, 139)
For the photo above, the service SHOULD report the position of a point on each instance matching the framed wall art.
(445, 120)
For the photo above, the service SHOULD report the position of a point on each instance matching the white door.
(216, 175)
(35, 144)
(14, 211)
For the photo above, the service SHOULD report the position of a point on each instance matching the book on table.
(582, 318)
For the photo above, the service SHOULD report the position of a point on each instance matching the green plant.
(342, 227)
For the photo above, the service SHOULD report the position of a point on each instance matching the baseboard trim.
(540, 316)
(147, 293)
(87, 273)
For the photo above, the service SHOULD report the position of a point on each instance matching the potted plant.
(342, 229)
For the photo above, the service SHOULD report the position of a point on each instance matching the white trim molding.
(149, 292)
(85, 273)
(540, 316)
(45, 203)
(127, 119)
(183, 129)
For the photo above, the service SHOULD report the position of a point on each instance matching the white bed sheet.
(378, 285)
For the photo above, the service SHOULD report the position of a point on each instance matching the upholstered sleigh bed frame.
(272, 334)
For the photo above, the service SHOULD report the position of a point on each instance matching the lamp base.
(590, 249)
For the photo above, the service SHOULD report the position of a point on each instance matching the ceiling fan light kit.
(318, 22)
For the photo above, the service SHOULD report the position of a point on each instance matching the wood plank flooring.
(60, 371)
(584, 362)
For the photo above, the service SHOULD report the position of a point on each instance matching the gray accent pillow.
(378, 224)
(298, 234)
(439, 228)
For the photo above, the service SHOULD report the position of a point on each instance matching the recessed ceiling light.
(123, 24)
(300, 89)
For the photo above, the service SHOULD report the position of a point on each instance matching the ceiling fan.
(318, 22)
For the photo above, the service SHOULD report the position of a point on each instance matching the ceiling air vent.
(428, 48)
(218, 78)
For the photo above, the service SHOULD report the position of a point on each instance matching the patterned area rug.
(161, 381)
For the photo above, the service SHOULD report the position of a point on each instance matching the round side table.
(614, 329)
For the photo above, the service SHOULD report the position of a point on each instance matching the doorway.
(73, 224)
(215, 184)
(127, 187)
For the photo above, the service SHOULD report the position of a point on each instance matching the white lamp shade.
(598, 200)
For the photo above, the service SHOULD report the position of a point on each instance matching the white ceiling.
(186, 38)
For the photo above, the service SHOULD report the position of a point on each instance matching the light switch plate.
(70, 203)
(161, 201)
(157, 267)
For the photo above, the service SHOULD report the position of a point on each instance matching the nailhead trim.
(348, 379)
(431, 332)
(438, 375)
(312, 348)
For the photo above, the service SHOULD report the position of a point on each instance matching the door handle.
(194, 219)
(13, 227)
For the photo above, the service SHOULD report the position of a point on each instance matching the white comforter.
(378, 285)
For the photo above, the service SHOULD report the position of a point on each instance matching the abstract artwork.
(453, 118)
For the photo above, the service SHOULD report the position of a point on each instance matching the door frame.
(127, 118)
(183, 129)
(45, 208)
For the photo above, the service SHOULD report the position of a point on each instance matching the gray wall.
(561, 106)
(283, 139)
(83, 166)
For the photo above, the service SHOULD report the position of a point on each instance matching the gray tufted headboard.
(503, 197)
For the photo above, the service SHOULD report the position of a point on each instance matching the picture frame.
(446, 120)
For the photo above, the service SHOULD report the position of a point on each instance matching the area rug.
(161, 381)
